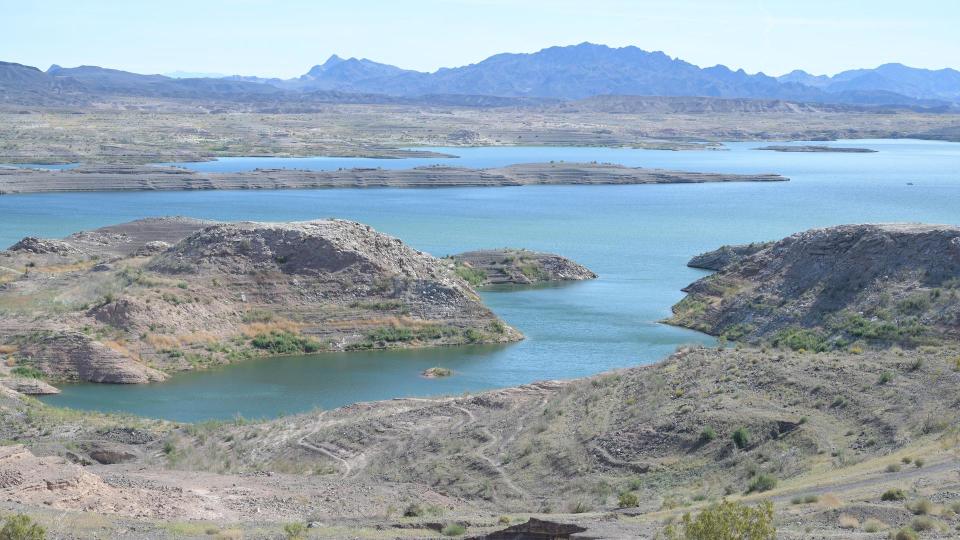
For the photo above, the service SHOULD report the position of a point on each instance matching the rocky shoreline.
(157, 178)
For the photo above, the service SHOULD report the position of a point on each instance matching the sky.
(284, 38)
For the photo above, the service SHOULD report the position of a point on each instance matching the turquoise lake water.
(637, 238)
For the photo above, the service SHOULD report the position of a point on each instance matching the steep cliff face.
(125, 303)
(892, 283)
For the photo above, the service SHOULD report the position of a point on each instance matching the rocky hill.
(128, 303)
(517, 267)
(826, 288)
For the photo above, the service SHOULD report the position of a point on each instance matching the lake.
(637, 238)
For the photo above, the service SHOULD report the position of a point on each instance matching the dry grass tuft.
(8, 349)
(161, 342)
(829, 500)
(279, 325)
(848, 522)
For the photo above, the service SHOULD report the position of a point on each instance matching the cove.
(637, 238)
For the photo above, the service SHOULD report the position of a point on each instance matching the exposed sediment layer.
(149, 178)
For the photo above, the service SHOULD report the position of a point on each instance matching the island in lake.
(105, 177)
(818, 148)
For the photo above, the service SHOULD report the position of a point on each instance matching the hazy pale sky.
(285, 37)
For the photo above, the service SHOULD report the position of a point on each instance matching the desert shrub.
(885, 377)
(726, 521)
(284, 342)
(257, 316)
(918, 462)
(504, 520)
(741, 437)
(628, 499)
(893, 495)
(453, 529)
(893, 467)
(708, 434)
(762, 482)
(906, 534)
(473, 276)
(27, 371)
(413, 510)
(801, 339)
(295, 531)
(21, 527)
(920, 507)
(472, 335)
(578, 507)
(926, 523)
(846, 521)
(873, 525)
(804, 499)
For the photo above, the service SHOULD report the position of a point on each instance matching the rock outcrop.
(517, 266)
(29, 386)
(892, 283)
(56, 483)
(719, 258)
(71, 355)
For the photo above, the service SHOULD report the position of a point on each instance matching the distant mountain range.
(941, 84)
(556, 73)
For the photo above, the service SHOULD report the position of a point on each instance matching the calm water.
(637, 238)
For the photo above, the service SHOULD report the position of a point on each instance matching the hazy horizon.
(284, 39)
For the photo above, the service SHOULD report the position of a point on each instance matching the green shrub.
(726, 521)
(906, 534)
(918, 462)
(801, 339)
(741, 437)
(21, 527)
(893, 467)
(762, 482)
(295, 531)
(708, 434)
(473, 276)
(453, 529)
(893, 495)
(628, 499)
(28, 371)
(885, 377)
(284, 342)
